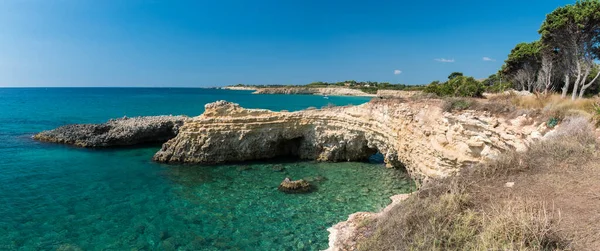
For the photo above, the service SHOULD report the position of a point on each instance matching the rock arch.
(417, 136)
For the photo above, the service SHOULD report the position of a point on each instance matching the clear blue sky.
(223, 42)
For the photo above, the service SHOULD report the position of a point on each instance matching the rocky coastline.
(417, 135)
(116, 132)
(239, 88)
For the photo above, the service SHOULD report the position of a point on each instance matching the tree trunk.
(585, 86)
(565, 88)
(576, 86)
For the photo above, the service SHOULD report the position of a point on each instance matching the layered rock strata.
(331, 91)
(116, 132)
(418, 136)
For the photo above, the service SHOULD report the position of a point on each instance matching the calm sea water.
(55, 197)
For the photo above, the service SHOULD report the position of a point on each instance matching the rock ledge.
(116, 132)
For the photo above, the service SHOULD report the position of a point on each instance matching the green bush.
(459, 86)
(498, 87)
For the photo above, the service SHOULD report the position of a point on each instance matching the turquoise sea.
(55, 197)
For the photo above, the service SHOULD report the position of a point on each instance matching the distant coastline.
(345, 88)
(240, 88)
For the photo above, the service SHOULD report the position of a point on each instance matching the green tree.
(455, 74)
(573, 31)
(458, 86)
(523, 63)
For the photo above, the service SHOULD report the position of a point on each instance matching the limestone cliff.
(331, 91)
(116, 132)
(418, 136)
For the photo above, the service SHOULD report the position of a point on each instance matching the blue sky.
(215, 43)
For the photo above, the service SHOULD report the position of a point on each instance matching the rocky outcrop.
(294, 186)
(116, 132)
(331, 91)
(344, 235)
(416, 135)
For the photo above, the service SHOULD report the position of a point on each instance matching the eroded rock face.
(344, 235)
(417, 135)
(116, 132)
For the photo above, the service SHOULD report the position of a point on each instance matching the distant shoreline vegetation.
(370, 87)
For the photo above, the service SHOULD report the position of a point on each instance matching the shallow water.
(56, 196)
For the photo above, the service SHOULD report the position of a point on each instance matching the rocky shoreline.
(344, 235)
(416, 135)
(116, 132)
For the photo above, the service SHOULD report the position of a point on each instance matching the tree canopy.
(457, 86)
(573, 32)
(455, 74)
(523, 55)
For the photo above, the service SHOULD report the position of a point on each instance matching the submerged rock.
(116, 132)
(317, 178)
(294, 186)
(278, 168)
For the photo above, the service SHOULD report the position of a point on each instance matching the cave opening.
(288, 148)
(377, 158)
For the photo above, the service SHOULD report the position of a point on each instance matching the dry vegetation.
(544, 199)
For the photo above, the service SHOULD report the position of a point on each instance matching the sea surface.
(55, 197)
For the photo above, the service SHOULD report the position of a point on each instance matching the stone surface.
(415, 135)
(343, 235)
(116, 132)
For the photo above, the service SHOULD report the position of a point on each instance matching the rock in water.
(278, 168)
(294, 186)
(116, 132)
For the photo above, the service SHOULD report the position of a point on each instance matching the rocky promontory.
(417, 135)
(116, 132)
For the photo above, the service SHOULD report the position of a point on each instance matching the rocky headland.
(116, 132)
(418, 136)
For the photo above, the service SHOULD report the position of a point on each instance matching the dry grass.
(541, 101)
(474, 211)
(539, 106)
(520, 225)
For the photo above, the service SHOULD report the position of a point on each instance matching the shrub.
(498, 87)
(459, 86)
